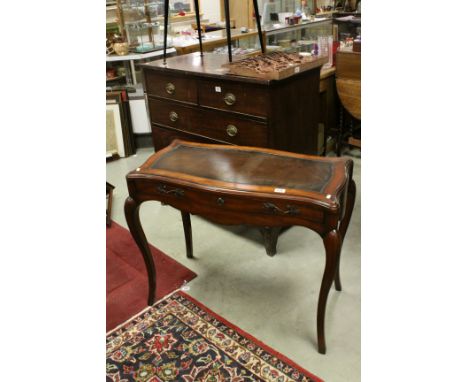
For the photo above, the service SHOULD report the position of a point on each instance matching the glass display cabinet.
(291, 25)
(300, 38)
(348, 26)
(216, 42)
(142, 21)
(141, 26)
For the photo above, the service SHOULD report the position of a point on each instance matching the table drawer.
(223, 127)
(171, 87)
(229, 208)
(241, 98)
(262, 208)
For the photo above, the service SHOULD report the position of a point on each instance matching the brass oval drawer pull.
(170, 88)
(173, 116)
(229, 99)
(231, 130)
(290, 210)
(176, 191)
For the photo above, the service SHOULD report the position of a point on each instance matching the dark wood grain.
(249, 99)
(163, 137)
(208, 123)
(295, 114)
(185, 89)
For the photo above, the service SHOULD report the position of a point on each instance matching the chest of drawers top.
(210, 65)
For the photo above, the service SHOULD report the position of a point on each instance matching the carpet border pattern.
(259, 359)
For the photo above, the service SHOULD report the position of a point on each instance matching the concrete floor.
(274, 299)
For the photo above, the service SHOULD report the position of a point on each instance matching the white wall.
(211, 10)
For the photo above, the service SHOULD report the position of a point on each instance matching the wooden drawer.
(163, 137)
(229, 128)
(235, 208)
(171, 114)
(171, 87)
(241, 98)
(222, 127)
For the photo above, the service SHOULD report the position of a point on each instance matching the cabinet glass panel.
(300, 38)
(144, 21)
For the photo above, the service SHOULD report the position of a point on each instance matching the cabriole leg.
(332, 242)
(132, 216)
(344, 226)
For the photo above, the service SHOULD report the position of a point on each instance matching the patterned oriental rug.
(179, 339)
(127, 280)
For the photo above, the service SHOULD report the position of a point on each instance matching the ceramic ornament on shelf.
(121, 48)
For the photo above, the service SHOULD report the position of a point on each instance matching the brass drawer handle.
(173, 116)
(229, 99)
(176, 191)
(290, 210)
(170, 88)
(220, 201)
(231, 130)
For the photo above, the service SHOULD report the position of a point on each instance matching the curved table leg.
(132, 216)
(187, 233)
(332, 242)
(344, 226)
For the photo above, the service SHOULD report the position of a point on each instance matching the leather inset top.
(247, 167)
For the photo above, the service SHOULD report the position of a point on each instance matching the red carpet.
(126, 277)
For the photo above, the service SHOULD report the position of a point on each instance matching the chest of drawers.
(193, 98)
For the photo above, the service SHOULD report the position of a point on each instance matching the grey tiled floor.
(274, 299)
